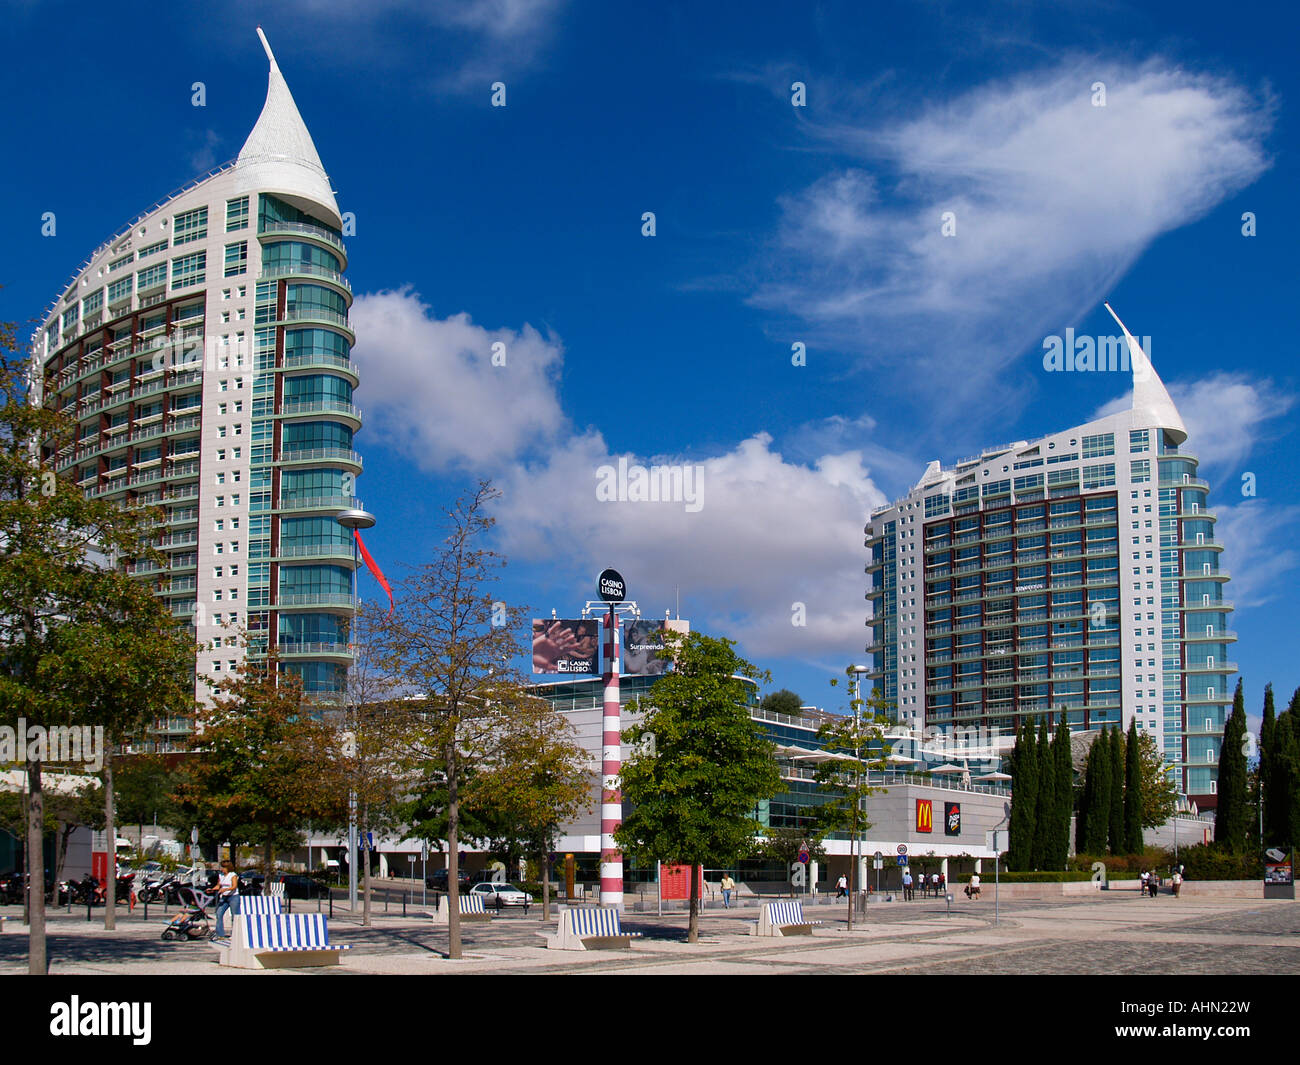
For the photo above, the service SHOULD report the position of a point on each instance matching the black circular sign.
(612, 588)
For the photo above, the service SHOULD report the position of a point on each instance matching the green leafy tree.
(81, 642)
(1022, 830)
(1094, 819)
(1271, 773)
(1232, 814)
(857, 746)
(782, 702)
(267, 761)
(1063, 771)
(1133, 801)
(1159, 792)
(450, 642)
(145, 786)
(1115, 822)
(1045, 823)
(693, 798)
(539, 779)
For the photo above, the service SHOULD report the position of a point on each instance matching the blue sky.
(775, 225)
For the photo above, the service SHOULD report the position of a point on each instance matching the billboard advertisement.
(952, 819)
(642, 642)
(925, 815)
(567, 645)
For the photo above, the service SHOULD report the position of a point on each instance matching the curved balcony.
(316, 650)
(308, 270)
(320, 455)
(321, 361)
(295, 408)
(317, 316)
(329, 503)
(299, 230)
(313, 601)
(300, 552)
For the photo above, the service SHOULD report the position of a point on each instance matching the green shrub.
(1072, 876)
(1212, 861)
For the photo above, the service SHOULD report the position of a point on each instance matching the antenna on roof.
(266, 45)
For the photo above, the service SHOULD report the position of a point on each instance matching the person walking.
(842, 887)
(907, 885)
(1154, 884)
(934, 884)
(1146, 879)
(227, 896)
(728, 886)
(1177, 880)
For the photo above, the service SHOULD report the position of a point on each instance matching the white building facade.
(204, 355)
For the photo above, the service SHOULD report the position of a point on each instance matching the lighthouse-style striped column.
(611, 799)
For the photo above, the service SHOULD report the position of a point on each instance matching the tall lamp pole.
(354, 518)
(856, 673)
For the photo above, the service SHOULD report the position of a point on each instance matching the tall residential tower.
(204, 353)
(1078, 572)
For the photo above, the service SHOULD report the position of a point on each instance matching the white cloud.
(1258, 552)
(770, 534)
(1225, 415)
(431, 391)
(762, 534)
(1054, 200)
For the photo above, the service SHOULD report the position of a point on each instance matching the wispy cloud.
(490, 39)
(1052, 200)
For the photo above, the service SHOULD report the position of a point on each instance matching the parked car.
(498, 895)
(250, 882)
(437, 880)
(297, 886)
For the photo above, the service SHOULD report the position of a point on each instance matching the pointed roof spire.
(1150, 398)
(279, 155)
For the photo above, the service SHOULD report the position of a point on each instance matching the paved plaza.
(1109, 934)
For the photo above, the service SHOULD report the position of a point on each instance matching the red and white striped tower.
(611, 799)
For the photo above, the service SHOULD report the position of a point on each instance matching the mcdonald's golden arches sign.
(925, 815)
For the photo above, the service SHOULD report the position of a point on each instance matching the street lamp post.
(856, 672)
(354, 518)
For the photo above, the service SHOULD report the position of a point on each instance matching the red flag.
(374, 569)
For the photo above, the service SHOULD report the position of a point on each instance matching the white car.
(495, 895)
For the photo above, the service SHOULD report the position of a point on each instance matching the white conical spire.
(1150, 398)
(279, 156)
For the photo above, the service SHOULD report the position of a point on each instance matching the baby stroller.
(192, 922)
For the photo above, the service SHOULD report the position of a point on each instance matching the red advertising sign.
(99, 867)
(675, 882)
(925, 815)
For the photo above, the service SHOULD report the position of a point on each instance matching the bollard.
(331, 905)
(949, 897)
(404, 905)
(89, 903)
(146, 909)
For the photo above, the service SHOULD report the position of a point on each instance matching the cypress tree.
(1232, 813)
(1132, 793)
(1024, 800)
(1063, 767)
(1286, 781)
(1045, 806)
(1269, 777)
(1098, 811)
(1115, 835)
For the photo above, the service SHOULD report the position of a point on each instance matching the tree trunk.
(546, 885)
(453, 858)
(693, 929)
(110, 830)
(365, 870)
(37, 962)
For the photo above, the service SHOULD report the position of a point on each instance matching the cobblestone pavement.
(1090, 936)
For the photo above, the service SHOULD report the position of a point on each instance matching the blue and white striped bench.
(783, 918)
(591, 928)
(261, 904)
(471, 907)
(280, 940)
(275, 890)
